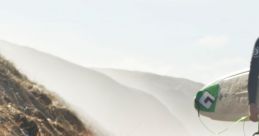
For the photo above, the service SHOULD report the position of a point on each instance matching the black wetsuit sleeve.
(253, 74)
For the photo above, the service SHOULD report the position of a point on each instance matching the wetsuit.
(253, 74)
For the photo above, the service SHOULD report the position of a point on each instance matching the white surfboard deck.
(225, 99)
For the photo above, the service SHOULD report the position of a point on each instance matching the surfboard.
(225, 99)
(228, 99)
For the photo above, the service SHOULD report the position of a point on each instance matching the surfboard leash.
(244, 118)
(256, 133)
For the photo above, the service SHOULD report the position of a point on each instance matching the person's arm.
(252, 82)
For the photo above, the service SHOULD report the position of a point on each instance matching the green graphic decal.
(206, 99)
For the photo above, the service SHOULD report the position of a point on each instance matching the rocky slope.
(28, 109)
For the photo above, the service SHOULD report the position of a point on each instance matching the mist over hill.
(118, 102)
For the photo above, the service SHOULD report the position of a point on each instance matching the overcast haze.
(195, 39)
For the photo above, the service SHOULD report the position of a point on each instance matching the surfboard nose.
(206, 99)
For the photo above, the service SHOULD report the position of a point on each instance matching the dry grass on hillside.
(28, 109)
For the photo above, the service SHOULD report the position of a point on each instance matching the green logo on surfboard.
(206, 99)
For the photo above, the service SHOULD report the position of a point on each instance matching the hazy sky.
(195, 39)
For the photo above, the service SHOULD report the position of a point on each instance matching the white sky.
(195, 39)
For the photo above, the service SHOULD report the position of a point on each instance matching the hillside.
(28, 109)
(96, 97)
